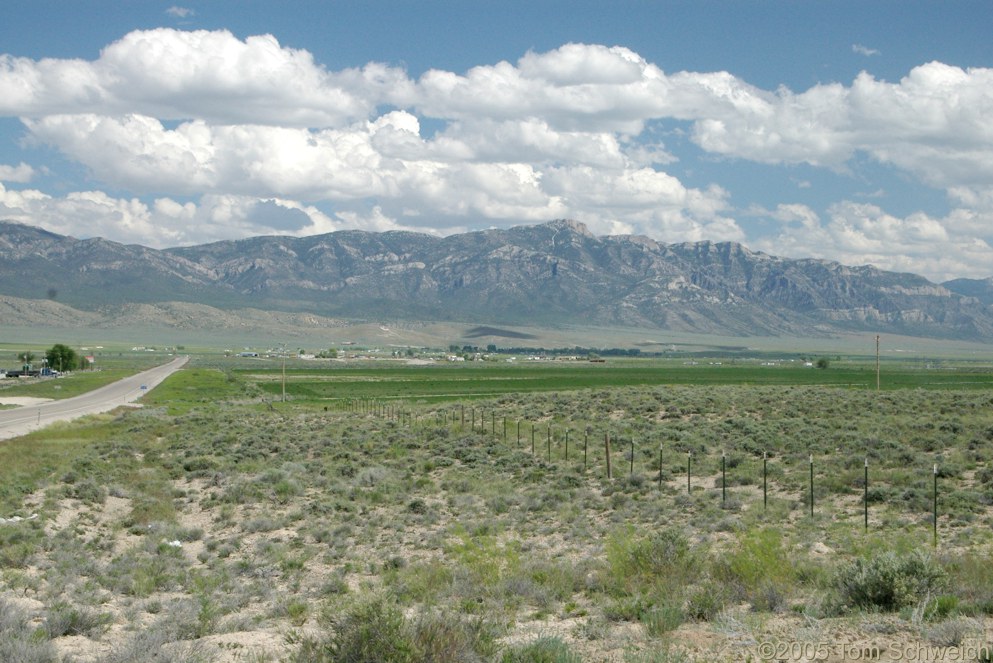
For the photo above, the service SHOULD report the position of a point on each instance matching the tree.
(26, 358)
(61, 357)
(823, 362)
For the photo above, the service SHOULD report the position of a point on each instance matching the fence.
(557, 439)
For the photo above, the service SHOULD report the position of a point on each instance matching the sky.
(859, 132)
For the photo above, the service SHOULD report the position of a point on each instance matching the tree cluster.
(61, 357)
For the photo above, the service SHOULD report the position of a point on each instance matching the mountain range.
(548, 274)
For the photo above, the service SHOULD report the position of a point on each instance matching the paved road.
(23, 420)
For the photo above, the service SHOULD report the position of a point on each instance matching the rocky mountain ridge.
(548, 274)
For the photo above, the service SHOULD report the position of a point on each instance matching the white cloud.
(932, 124)
(163, 223)
(230, 122)
(213, 76)
(180, 12)
(577, 87)
(864, 50)
(858, 233)
(21, 173)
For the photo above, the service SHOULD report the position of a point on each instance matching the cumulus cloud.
(20, 173)
(858, 233)
(932, 124)
(164, 222)
(203, 115)
(208, 75)
(386, 160)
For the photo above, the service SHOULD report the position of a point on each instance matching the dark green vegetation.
(381, 517)
(80, 383)
(474, 380)
(61, 357)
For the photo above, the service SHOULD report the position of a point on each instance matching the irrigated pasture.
(468, 514)
(393, 380)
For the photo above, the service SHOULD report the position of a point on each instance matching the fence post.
(765, 481)
(935, 542)
(811, 485)
(586, 447)
(865, 498)
(631, 471)
(689, 465)
(724, 484)
(606, 446)
(660, 467)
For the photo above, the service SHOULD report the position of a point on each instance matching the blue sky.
(851, 131)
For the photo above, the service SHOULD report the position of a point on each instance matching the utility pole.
(877, 362)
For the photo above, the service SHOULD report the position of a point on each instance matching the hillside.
(549, 274)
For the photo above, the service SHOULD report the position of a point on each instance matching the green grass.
(485, 380)
(195, 387)
(68, 386)
(35, 459)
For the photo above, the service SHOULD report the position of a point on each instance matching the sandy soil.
(23, 401)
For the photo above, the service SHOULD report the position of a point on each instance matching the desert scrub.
(152, 566)
(547, 649)
(663, 559)
(970, 580)
(19, 639)
(164, 641)
(757, 569)
(377, 631)
(647, 578)
(888, 581)
(64, 619)
(19, 542)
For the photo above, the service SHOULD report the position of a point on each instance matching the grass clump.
(19, 641)
(757, 570)
(64, 619)
(542, 650)
(378, 631)
(662, 558)
(889, 581)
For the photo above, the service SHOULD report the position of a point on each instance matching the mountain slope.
(552, 273)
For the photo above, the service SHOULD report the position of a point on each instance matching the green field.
(485, 380)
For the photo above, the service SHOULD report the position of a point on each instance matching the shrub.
(369, 633)
(663, 557)
(662, 618)
(63, 619)
(953, 632)
(18, 642)
(706, 600)
(19, 544)
(758, 570)
(542, 650)
(444, 638)
(889, 581)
